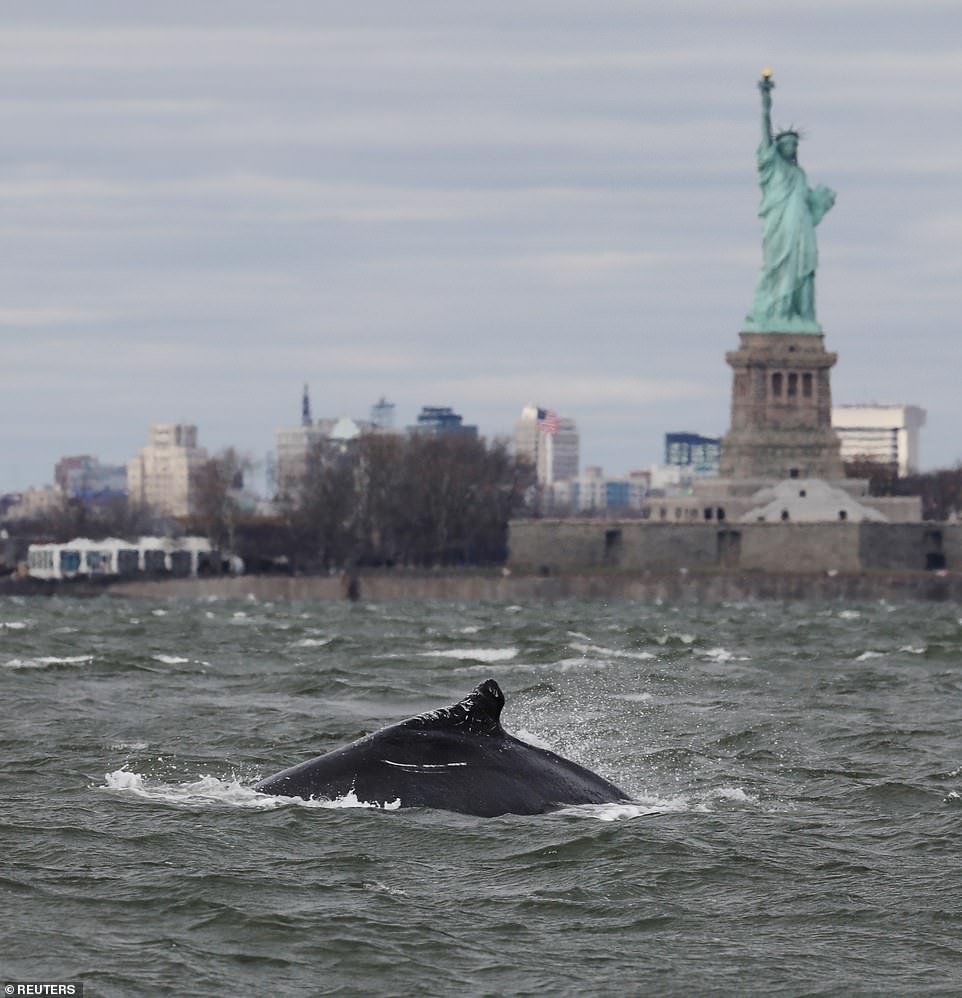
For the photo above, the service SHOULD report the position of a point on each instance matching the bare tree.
(217, 484)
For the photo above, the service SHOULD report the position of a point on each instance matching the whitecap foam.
(474, 654)
(383, 888)
(866, 655)
(635, 697)
(609, 812)
(567, 664)
(159, 613)
(211, 791)
(46, 661)
(170, 659)
(470, 629)
(685, 639)
(849, 614)
(913, 650)
(638, 656)
(640, 807)
(312, 642)
(128, 746)
(735, 794)
(14, 625)
(723, 655)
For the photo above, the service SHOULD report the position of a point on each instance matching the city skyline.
(456, 206)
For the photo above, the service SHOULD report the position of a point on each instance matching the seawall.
(673, 587)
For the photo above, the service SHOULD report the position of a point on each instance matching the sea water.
(795, 771)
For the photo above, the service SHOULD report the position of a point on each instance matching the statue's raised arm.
(766, 85)
(785, 296)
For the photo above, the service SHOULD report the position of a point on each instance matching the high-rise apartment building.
(162, 475)
(885, 434)
(693, 450)
(550, 442)
(82, 476)
(435, 419)
(294, 445)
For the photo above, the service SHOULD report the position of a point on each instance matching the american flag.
(547, 421)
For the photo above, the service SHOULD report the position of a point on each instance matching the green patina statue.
(790, 210)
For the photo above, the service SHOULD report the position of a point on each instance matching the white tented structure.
(84, 558)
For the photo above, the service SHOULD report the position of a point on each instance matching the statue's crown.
(791, 130)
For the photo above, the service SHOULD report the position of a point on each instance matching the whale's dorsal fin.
(479, 712)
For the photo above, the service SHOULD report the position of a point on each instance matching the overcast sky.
(204, 205)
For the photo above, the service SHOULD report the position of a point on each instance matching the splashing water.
(209, 790)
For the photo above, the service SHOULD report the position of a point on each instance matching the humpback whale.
(457, 758)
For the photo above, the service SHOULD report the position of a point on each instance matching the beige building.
(294, 445)
(36, 503)
(552, 444)
(885, 434)
(162, 475)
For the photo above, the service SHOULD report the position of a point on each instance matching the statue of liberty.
(790, 210)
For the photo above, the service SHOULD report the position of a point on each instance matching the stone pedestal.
(781, 416)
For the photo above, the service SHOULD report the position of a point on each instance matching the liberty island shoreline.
(683, 587)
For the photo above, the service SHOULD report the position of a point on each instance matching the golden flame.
(767, 73)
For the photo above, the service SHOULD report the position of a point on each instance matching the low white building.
(808, 500)
(885, 434)
(85, 558)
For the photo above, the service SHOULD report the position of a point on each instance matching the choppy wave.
(829, 787)
(47, 661)
(723, 655)
(638, 656)
(474, 654)
(210, 790)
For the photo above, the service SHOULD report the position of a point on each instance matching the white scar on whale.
(419, 767)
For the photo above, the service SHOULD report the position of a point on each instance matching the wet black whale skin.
(458, 758)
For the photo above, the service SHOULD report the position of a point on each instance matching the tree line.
(383, 499)
(414, 500)
(941, 490)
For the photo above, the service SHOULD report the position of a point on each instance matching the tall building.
(885, 434)
(63, 468)
(162, 475)
(525, 439)
(382, 415)
(294, 445)
(83, 477)
(436, 419)
(550, 442)
(692, 450)
(559, 452)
